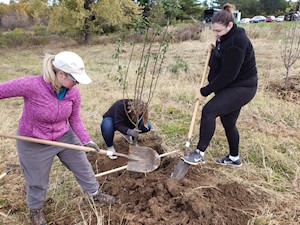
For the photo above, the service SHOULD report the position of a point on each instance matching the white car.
(245, 20)
(279, 19)
(258, 19)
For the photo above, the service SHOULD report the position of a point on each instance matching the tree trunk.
(87, 34)
(87, 28)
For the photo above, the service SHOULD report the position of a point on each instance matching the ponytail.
(49, 71)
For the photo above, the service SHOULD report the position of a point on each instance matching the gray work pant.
(36, 161)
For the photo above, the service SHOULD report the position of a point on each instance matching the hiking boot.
(37, 217)
(104, 198)
(128, 138)
(194, 158)
(227, 161)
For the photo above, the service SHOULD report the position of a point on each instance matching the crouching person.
(122, 116)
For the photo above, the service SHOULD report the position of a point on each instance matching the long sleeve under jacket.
(232, 63)
(118, 113)
(44, 116)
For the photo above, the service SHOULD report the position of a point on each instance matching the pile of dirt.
(201, 197)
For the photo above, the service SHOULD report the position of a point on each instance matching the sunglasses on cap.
(71, 77)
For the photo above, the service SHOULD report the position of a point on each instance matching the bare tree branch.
(290, 49)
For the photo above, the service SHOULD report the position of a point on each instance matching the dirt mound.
(201, 197)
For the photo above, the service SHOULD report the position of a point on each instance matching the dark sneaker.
(128, 138)
(227, 161)
(37, 217)
(193, 158)
(104, 198)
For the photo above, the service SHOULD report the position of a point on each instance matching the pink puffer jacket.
(44, 116)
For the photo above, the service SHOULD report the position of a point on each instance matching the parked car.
(245, 20)
(270, 18)
(258, 19)
(279, 19)
(291, 16)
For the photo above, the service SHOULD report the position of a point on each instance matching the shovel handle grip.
(59, 144)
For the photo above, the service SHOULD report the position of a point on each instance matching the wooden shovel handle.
(59, 144)
(201, 85)
(3, 175)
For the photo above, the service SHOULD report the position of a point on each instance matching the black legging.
(227, 104)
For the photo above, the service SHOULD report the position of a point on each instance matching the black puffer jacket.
(232, 63)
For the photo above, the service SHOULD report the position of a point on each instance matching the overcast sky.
(5, 1)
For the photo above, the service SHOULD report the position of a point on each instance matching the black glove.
(133, 132)
(92, 144)
(204, 92)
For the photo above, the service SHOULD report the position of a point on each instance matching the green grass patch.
(173, 122)
(21, 37)
(179, 66)
(175, 128)
(3, 202)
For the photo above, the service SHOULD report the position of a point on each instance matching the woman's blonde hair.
(224, 16)
(49, 71)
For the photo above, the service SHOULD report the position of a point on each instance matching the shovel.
(141, 159)
(181, 167)
(125, 167)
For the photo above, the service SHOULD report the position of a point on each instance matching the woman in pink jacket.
(52, 112)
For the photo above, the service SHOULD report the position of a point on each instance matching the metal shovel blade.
(144, 159)
(180, 170)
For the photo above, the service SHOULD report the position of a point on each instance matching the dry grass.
(269, 126)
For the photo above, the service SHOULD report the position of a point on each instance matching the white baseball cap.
(70, 62)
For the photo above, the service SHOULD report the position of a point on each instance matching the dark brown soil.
(288, 90)
(201, 197)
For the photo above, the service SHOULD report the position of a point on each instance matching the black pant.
(227, 104)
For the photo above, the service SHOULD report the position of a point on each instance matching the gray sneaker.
(37, 217)
(227, 161)
(194, 158)
(104, 198)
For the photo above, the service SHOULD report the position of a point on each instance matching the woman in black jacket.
(233, 80)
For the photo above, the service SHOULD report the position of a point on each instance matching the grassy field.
(269, 126)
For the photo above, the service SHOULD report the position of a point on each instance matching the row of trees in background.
(82, 18)
(76, 18)
(250, 8)
(184, 9)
